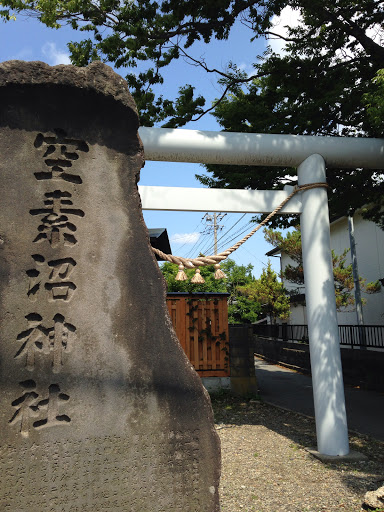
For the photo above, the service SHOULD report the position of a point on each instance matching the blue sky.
(27, 39)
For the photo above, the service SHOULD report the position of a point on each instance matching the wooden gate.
(201, 324)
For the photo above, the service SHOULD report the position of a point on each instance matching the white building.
(369, 239)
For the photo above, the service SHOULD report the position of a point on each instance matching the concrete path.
(286, 388)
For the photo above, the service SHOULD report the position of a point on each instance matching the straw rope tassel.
(198, 278)
(181, 275)
(219, 274)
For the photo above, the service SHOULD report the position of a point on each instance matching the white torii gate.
(311, 155)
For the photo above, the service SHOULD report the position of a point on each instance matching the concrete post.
(241, 357)
(327, 377)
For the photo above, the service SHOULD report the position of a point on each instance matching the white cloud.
(288, 17)
(185, 238)
(23, 54)
(54, 55)
(247, 68)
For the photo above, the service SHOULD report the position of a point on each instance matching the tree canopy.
(326, 82)
(374, 101)
(269, 292)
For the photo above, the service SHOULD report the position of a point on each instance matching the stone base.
(244, 386)
(352, 456)
(216, 384)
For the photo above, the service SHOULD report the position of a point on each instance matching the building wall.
(298, 312)
(369, 239)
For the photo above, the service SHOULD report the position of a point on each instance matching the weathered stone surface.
(97, 77)
(99, 408)
(374, 500)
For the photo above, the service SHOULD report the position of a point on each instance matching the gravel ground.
(266, 467)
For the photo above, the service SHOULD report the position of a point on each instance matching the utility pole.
(213, 225)
(356, 280)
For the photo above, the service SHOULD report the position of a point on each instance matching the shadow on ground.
(231, 411)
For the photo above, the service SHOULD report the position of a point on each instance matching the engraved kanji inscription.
(57, 224)
(46, 410)
(60, 152)
(51, 278)
(42, 341)
(26, 408)
(50, 408)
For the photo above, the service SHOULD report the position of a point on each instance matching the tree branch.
(294, 40)
(351, 28)
(232, 78)
(214, 105)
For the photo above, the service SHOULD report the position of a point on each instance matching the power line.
(244, 229)
(212, 247)
(234, 236)
(198, 241)
(230, 229)
(204, 244)
(202, 241)
(214, 226)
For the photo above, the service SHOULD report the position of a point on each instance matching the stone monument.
(100, 409)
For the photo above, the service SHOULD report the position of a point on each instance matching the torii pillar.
(324, 345)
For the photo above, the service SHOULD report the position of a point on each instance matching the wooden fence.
(201, 324)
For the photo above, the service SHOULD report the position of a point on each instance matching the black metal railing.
(367, 335)
(284, 332)
(371, 336)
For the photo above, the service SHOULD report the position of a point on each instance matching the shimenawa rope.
(214, 259)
